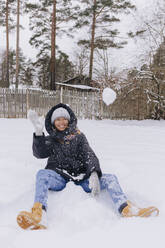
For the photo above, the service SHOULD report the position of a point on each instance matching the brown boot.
(31, 220)
(131, 210)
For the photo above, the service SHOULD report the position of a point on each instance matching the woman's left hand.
(94, 184)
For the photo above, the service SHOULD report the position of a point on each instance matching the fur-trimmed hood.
(52, 130)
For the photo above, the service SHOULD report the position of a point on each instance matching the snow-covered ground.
(133, 150)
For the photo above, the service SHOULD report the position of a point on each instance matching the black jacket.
(68, 151)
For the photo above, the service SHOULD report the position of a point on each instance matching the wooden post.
(27, 102)
(101, 104)
(61, 95)
(16, 102)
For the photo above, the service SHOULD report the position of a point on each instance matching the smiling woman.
(70, 158)
(61, 123)
(60, 118)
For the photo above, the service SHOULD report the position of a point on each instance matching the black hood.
(51, 129)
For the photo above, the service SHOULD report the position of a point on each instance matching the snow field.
(133, 150)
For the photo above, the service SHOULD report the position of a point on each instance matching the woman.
(70, 158)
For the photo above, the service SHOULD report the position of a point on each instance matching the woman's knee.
(59, 183)
(55, 180)
(109, 177)
(43, 174)
(59, 178)
(40, 173)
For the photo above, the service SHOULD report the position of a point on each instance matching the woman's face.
(61, 123)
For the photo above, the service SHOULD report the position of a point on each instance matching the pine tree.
(7, 9)
(81, 61)
(2, 68)
(17, 43)
(20, 6)
(3, 13)
(99, 16)
(42, 67)
(46, 20)
(64, 67)
(27, 72)
(53, 47)
(26, 69)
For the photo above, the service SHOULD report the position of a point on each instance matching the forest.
(100, 20)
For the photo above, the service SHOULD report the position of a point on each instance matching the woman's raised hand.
(38, 122)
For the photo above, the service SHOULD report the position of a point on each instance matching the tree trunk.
(53, 49)
(92, 40)
(7, 45)
(17, 45)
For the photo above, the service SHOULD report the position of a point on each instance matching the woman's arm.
(88, 156)
(42, 146)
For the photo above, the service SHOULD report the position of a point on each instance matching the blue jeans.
(50, 180)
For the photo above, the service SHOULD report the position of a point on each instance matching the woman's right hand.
(38, 122)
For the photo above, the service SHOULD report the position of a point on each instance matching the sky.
(121, 58)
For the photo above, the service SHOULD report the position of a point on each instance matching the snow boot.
(33, 220)
(132, 210)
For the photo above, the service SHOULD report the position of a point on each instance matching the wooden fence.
(86, 104)
(16, 103)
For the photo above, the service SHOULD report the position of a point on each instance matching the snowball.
(108, 96)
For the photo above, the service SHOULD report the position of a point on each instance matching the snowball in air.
(108, 96)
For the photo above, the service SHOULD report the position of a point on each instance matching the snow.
(133, 150)
(108, 96)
